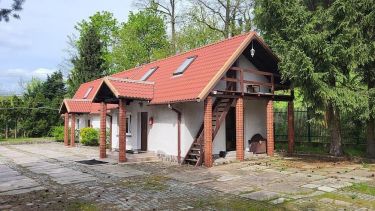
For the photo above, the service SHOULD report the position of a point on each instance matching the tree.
(194, 35)
(89, 63)
(106, 26)
(315, 56)
(141, 40)
(231, 17)
(6, 13)
(360, 16)
(167, 8)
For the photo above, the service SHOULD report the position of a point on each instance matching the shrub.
(58, 133)
(89, 136)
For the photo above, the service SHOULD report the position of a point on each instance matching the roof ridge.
(88, 100)
(129, 80)
(186, 52)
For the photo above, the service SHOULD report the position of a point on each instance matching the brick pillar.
(102, 138)
(239, 130)
(66, 129)
(270, 135)
(73, 130)
(208, 132)
(290, 127)
(122, 131)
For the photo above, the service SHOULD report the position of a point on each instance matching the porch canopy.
(119, 91)
(70, 108)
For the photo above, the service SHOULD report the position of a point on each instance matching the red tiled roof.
(130, 88)
(80, 93)
(194, 84)
(211, 59)
(83, 106)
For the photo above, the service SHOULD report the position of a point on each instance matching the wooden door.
(144, 121)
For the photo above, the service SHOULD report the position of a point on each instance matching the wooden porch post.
(239, 129)
(290, 127)
(66, 129)
(122, 131)
(73, 130)
(208, 132)
(103, 125)
(270, 135)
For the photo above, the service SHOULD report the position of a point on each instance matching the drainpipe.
(178, 132)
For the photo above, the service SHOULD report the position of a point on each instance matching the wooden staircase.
(220, 110)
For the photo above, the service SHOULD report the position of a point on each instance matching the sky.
(36, 44)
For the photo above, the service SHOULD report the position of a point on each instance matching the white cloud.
(11, 79)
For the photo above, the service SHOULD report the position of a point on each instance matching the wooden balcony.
(239, 86)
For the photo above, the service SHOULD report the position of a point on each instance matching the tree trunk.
(227, 20)
(371, 125)
(333, 119)
(15, 130)
(173, 25)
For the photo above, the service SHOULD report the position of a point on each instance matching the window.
(148, 73)
(87, 92)
(181, 69)
(88, 123)
(128, 124)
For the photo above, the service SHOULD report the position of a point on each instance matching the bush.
(89, 136)
(58, 133)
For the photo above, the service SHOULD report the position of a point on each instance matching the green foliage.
(141, 40)
(58, 133)
(194, 35)
(106, 26)
(89, 64)
(89, 136)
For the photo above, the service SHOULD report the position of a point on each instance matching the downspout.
(179, 115)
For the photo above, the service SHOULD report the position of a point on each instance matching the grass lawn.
(25, 140)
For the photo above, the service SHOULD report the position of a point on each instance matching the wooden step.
(194, 154)
(195, 149)
(191, 159)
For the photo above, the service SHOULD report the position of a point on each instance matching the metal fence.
(310, 132)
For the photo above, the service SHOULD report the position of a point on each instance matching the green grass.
(362, 188)
(25, 140)
(82, 206)
(152, 182)
(351, 199)
(320, 149)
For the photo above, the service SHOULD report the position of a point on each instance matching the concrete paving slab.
(326, 189)
(261, 195)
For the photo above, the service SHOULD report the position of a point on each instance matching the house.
(187, 107)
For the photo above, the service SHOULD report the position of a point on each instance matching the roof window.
(181, 69)
(87, 92)
(148, 73)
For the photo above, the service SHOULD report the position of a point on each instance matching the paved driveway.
(46, 177)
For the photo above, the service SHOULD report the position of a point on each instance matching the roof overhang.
(245, 44)
(75, 106)
(111, 89)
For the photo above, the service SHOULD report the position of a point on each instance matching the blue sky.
(35, 45)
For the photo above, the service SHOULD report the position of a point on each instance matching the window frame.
(88, 91)
(149, 73)
(184, 66)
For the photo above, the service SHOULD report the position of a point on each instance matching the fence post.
(308, 126)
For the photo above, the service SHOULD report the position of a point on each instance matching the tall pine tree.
(89, 63)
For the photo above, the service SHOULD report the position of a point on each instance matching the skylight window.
(87, 92)
(148, 73)
(181, 69)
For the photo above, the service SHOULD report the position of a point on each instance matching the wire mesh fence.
(311, 132)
